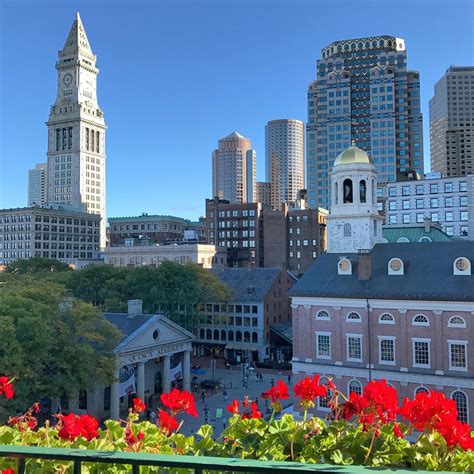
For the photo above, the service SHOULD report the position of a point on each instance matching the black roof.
(428, 274)
(248, 284)
(125, 324)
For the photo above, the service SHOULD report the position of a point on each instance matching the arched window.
(216, 334)
(344, 267)
(347, 188)
(323, 315)
(374, 44)
(402, 240)
(208, 334)
(421, 389)
(374, 192)
(353, 316)
(323, 402)
(461, 404)
(354, 386)
(360, 45)
(456, 322)
(462, 266)
(231, 335)
(381, 43)
(336, 193)
(386, 318)
(424, 239)
(363, 191)
(395, 266)
(420, 320)
(347, 230)
(367, 44)
(339, 48)
(238, 336)
(255, 337)
(201, 333)
(246, 336)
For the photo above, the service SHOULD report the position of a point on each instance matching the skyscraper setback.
(234, 170)
(452, 122)
(76, 131)
(363, 94)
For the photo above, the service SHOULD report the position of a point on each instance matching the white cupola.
(354, 222)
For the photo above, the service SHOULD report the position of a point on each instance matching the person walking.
(289, 379)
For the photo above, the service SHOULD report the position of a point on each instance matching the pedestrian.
(203, 395)
(272, 382)
(225, 394)
(153, 417)
(289, 379)
(261, 378)
(257, 376)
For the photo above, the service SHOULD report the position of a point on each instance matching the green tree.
(36, 265)
(51, 345)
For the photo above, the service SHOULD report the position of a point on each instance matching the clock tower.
(76, 135)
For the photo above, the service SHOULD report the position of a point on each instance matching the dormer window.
(462, 266)
(420, 320)
(323, 315)
(344, 266)
(456, 322)
(395, 267)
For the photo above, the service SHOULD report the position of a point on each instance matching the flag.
(176, 372)
(127, 382)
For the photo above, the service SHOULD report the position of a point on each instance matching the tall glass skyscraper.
(363, 94)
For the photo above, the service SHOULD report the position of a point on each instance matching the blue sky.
(175, 76)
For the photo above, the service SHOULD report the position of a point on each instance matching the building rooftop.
(248, 284)
(415, 233)
(352, 154)
(125, 324)
(428, 274)
(147, 217)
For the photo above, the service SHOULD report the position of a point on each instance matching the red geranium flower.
(138, 405)
(308, 389)
(6, 387)
(397, 431)
(167, 422)
(8, 471)
(250, 409)
(178, 402)
(253, 413)
(277, 392)
(74, 426)
(234, 407)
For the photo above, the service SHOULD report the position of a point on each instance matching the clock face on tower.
(67, 79)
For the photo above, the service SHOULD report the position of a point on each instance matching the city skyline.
(27, 97)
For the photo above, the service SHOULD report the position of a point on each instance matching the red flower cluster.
(179, 401)
(6, 387)
(277, 392)
(250, 409)
(308, 389)
(377, 406)
(167, 422)
(131, 439)
(8, 471)
(138, 405)
(433, 411)
(27, 420)
(73, 426)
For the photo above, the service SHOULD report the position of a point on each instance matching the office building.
(284, 158)
(76, 131)
(363, 93)
(396, 311)
(234, 169)
(452, 122)
(264, 193)
(448, 202)
(52, 231)
(37, 185)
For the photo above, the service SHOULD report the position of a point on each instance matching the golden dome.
(352, 154)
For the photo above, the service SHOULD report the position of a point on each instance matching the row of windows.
(434, 188)
(234, 213)
(387, 318)
(434, 202)
(421, 355)
(223, 335)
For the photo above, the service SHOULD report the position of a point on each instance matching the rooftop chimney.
(427, 222)
(135, 307)
(364, 265)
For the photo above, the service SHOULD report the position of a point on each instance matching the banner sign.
(127, 382)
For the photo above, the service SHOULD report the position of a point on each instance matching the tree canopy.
(36, 265)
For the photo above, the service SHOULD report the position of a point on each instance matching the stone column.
(141, 380)
(115, 397)
(187, 370)
(165, 376)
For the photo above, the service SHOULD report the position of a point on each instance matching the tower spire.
(77, 42)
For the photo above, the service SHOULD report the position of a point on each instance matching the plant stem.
(370, 447)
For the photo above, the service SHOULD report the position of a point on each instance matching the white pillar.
(165, 376)
(141, 380)
(115, 397)
(187, 370)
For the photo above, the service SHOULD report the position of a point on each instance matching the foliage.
(36, 265)
(56, 346)
(346, 438)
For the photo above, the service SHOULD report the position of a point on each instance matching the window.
(456, 322)
(386, 350)
(353, 317)
(463, 216)
(323, 402)
(344, 267)
(433, 188)
(420, 320)
(386, 318)
(433, 202)
(354, 347)
(457, 355)
(323, 315)
(395, 267)
(461, 404)
(354, 386)
(421, 352)
(347, 191)
(347, 230)
(323, 345)
(462, 266)
(421, 389)
(392, 205)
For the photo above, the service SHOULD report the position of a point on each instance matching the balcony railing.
(194, 464)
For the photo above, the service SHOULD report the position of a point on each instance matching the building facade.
(446, 201)
(284, 146)
(76, 131)
(238, 228)
(264, 193)
(234, 169)
(208, 256)
(363, 92)
(53, 231)
(240, 329)
(398, 311)
(37, 185)
(452, 122)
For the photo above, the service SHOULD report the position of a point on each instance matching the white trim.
(416, 323)
(322, 318)
(467, 401)
(323, 333)
(421, 339)
(359, 320)
(390, 338)
(417, 388)
(380, 321)
(401, 271)
(349, 384)
(466, 272)
(354, 336)
(451, 325)
(461, 343)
